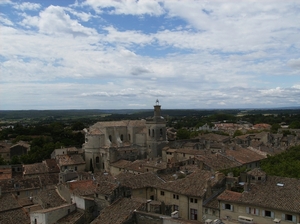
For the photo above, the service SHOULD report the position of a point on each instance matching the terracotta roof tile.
(118, 212)
(198, 180)
(269, 194)
(139, 181)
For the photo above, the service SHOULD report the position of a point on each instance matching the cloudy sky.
(114, 54)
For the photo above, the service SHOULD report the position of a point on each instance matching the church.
(108, 142)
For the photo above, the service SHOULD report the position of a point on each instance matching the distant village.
(137, 172)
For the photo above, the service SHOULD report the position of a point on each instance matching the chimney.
(246, 187)
(148, 205)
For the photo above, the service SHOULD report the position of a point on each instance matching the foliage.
(183, 134)
(275, 127)
(2, 162)
(295, 124)
(286, 164)
(237, 133)
(236, 171)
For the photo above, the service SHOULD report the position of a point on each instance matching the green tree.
(183, 134)
(275, 127)
(294, 125)
(237, 133)
(2, 162)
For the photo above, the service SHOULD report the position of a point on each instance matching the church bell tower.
(156, 133)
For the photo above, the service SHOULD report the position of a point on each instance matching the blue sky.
(106, 54)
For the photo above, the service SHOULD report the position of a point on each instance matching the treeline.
(43, 139)
(285, 164)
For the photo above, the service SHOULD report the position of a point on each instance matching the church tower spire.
(157, 133)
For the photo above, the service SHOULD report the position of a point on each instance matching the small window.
(129, 137)
(228, 206)
(162, 193)
(97, 159)
(110, 138)
(75, 168)
(206, 211)
(152, 132)
(268, 213)
(288, 217)
(121, 137)
(191, 200)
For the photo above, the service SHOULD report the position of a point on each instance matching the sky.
(114, 54)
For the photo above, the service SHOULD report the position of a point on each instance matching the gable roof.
(134, 181)
(124, 207)
(243, 155)
(269, 194)
(64, 160)
(218, 161)
(199, 180)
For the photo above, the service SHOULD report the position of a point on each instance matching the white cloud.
(27, 6)
(54, 20)
(294, 63)
(127, 7)
(5, 20)
(222, 55)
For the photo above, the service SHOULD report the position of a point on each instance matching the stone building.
(108, 142)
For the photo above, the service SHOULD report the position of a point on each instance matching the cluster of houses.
(128, 172)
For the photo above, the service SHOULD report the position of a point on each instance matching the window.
(75, 168)
(149, 132)
(193, 200)
(269, 214)
(176, 196)
(110, 138)
(162, 193)
(97, 159)
(253, 211)
(227, 207)
(121, 137)
(161, 132)
(289, 217)
(213, 212)
(152, 132)
(206, 211)
(194, 214)
(129, 137)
